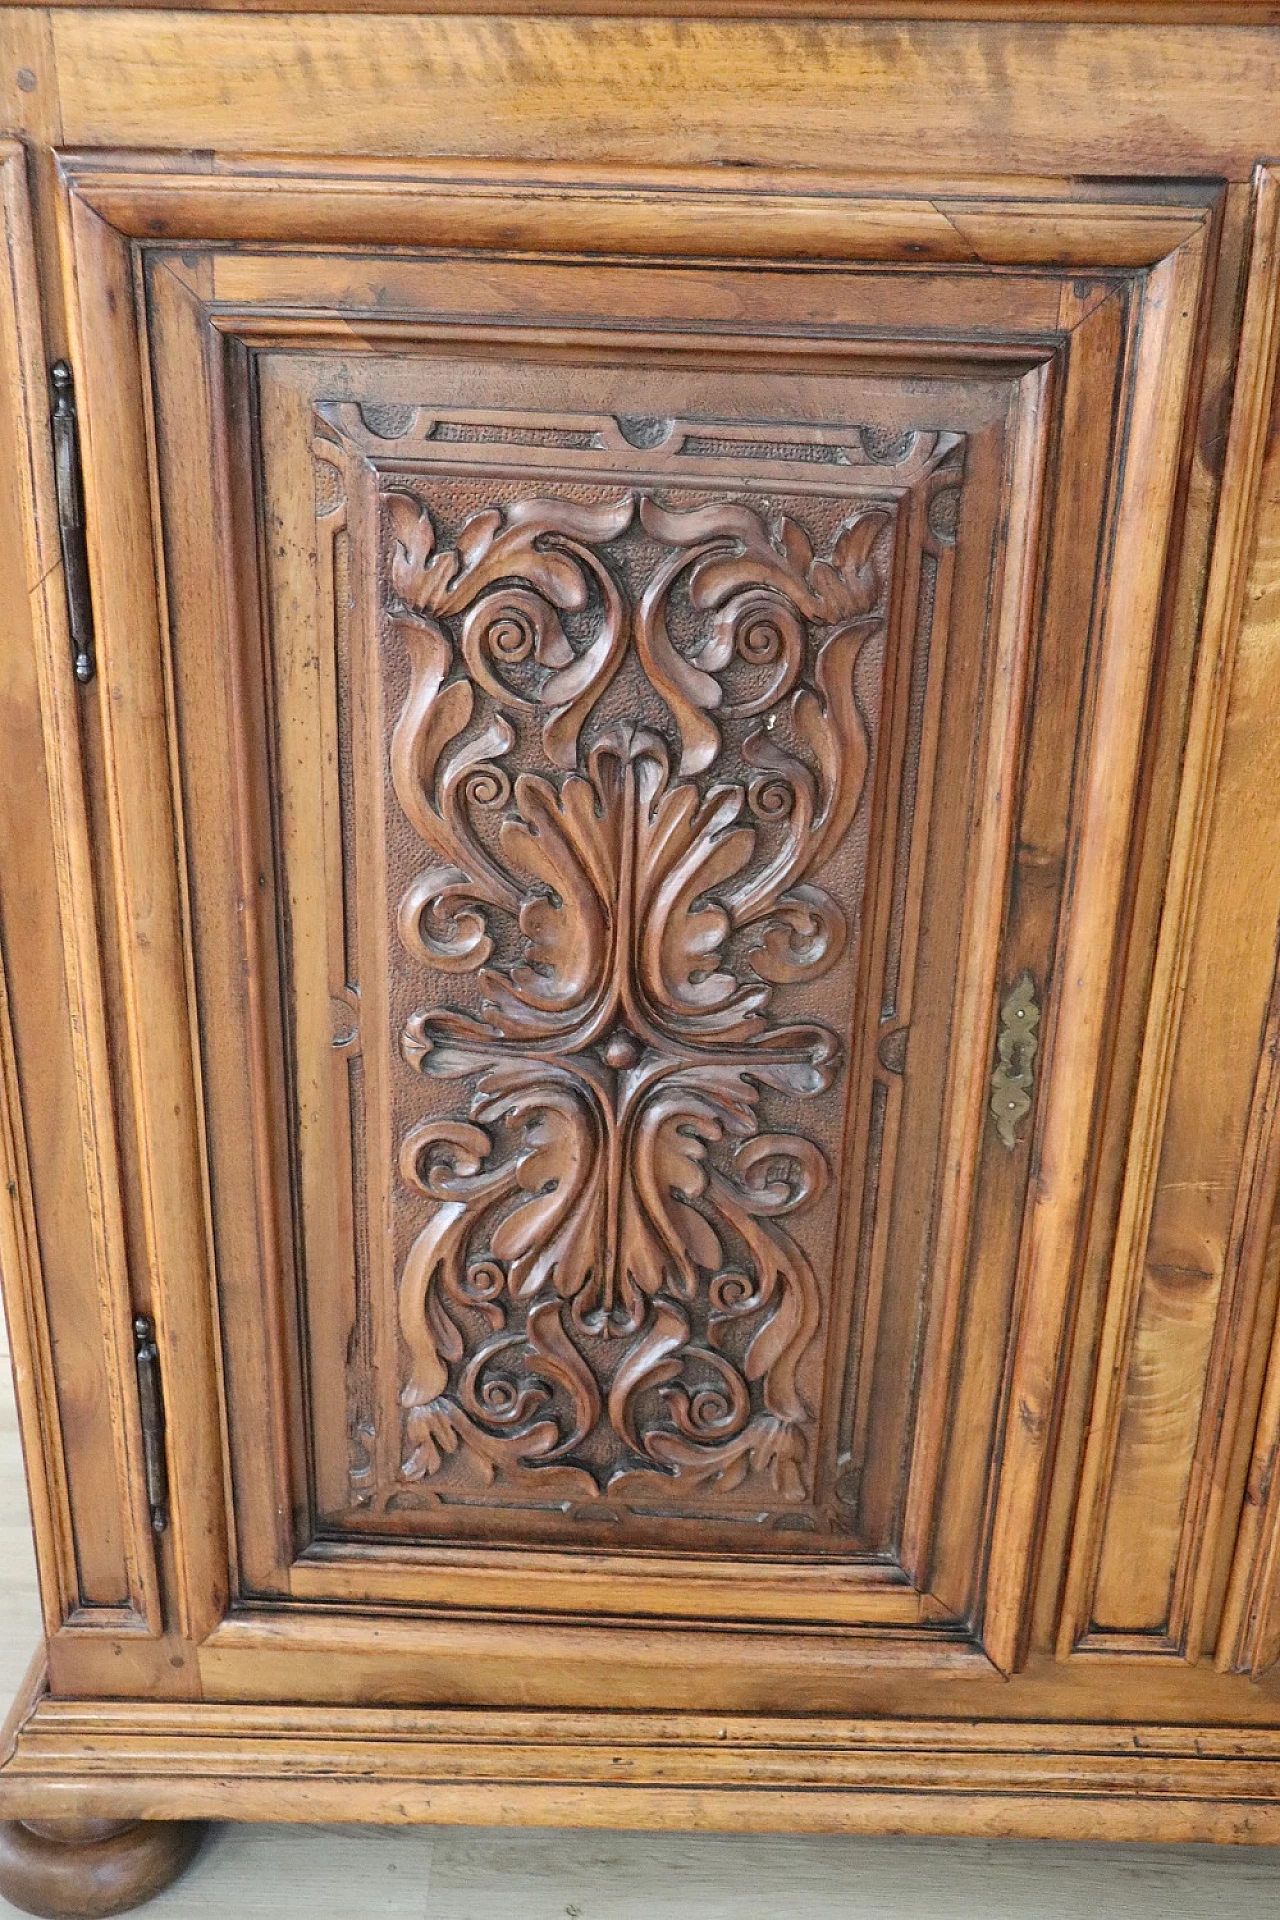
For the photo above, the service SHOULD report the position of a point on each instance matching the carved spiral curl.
(485, 1281)
(802, 937)
(506, 628)
(779, 1172)
(439, 921)
(715, 1411)
(764, 630)
(771, 797)
(438, 1155)
(510, 636)
(732, 1293)
(499, 1396)
(759, 638)
(487, 786)
(479, 1289)
(498, 1399)
(710, 1410)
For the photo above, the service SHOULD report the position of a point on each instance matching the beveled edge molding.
(733, 1773)
(1210, 701)
(693, 213)
(455, 1637)
(32, 1688)
(604, 1586)
(22, 338)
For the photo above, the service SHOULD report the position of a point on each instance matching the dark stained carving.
(608, 1280)
(611, 700)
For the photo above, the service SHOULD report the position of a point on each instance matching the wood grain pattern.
(982, 98)
(1249, 1638)
(1253, 13)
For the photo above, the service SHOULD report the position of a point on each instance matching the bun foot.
(84, 1869)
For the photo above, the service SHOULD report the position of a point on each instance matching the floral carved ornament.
(607, 1283)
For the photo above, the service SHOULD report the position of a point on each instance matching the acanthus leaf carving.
(607, 1286)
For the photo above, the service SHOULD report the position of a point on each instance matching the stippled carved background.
(631, 729)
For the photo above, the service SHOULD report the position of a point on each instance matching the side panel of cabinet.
(1249, 1640)
(1190, 1308)
(67, 1289)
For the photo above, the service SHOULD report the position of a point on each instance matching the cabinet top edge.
(889, 13)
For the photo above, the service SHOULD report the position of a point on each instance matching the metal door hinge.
(151, 1401)
(70, 486)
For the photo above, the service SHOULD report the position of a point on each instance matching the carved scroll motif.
(607, 1284)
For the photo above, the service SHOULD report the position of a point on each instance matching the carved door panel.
(657, 690)
(637, 696)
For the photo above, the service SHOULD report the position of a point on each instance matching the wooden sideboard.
(639, 890)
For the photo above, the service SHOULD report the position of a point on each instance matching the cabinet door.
(655, 677)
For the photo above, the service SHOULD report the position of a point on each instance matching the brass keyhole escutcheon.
(1016, 1045)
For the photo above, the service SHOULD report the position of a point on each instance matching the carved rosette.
(608, 1286)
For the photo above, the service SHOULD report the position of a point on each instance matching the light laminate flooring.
(344, 1873)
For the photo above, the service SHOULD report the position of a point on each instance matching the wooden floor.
(329, 1873)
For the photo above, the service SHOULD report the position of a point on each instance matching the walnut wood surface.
(622, 678)
(981, 98)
